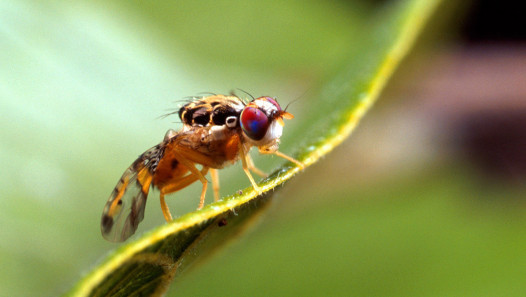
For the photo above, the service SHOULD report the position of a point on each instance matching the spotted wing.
(125, 207)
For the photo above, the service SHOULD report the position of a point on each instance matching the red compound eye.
(254, 122)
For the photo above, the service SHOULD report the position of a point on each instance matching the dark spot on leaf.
(222, 222)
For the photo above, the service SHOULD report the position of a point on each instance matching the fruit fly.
(217, 131)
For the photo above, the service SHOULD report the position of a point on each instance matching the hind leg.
(176, 186)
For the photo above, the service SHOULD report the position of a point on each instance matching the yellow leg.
(245, 168)
(174, 187)
(215, 183)
(253, 168)
(282, 155)
(188, 164)
(165, 209)
(203, 194)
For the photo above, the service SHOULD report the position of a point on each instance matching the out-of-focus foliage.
(82, 84)
(148, 266)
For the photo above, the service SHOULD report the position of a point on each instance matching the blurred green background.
(421, 200)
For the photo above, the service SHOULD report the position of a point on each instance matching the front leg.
(215, 183)
(282, 155)
(244, 162)
(253, 168)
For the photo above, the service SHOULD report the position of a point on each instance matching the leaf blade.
(149, 264)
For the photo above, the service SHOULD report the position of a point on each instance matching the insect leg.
(282, 155)
(190, 165)
(244, 162)
(215, 183)
(174, 187)
(253, 168)
(166, 211)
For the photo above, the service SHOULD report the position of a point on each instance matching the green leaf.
(149, 265)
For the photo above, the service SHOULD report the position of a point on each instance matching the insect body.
(217, 131)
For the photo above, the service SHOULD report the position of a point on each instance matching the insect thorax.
(213, 110)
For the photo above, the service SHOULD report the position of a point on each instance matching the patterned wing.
(125, 207)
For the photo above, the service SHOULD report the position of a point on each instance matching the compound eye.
(254, 123)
